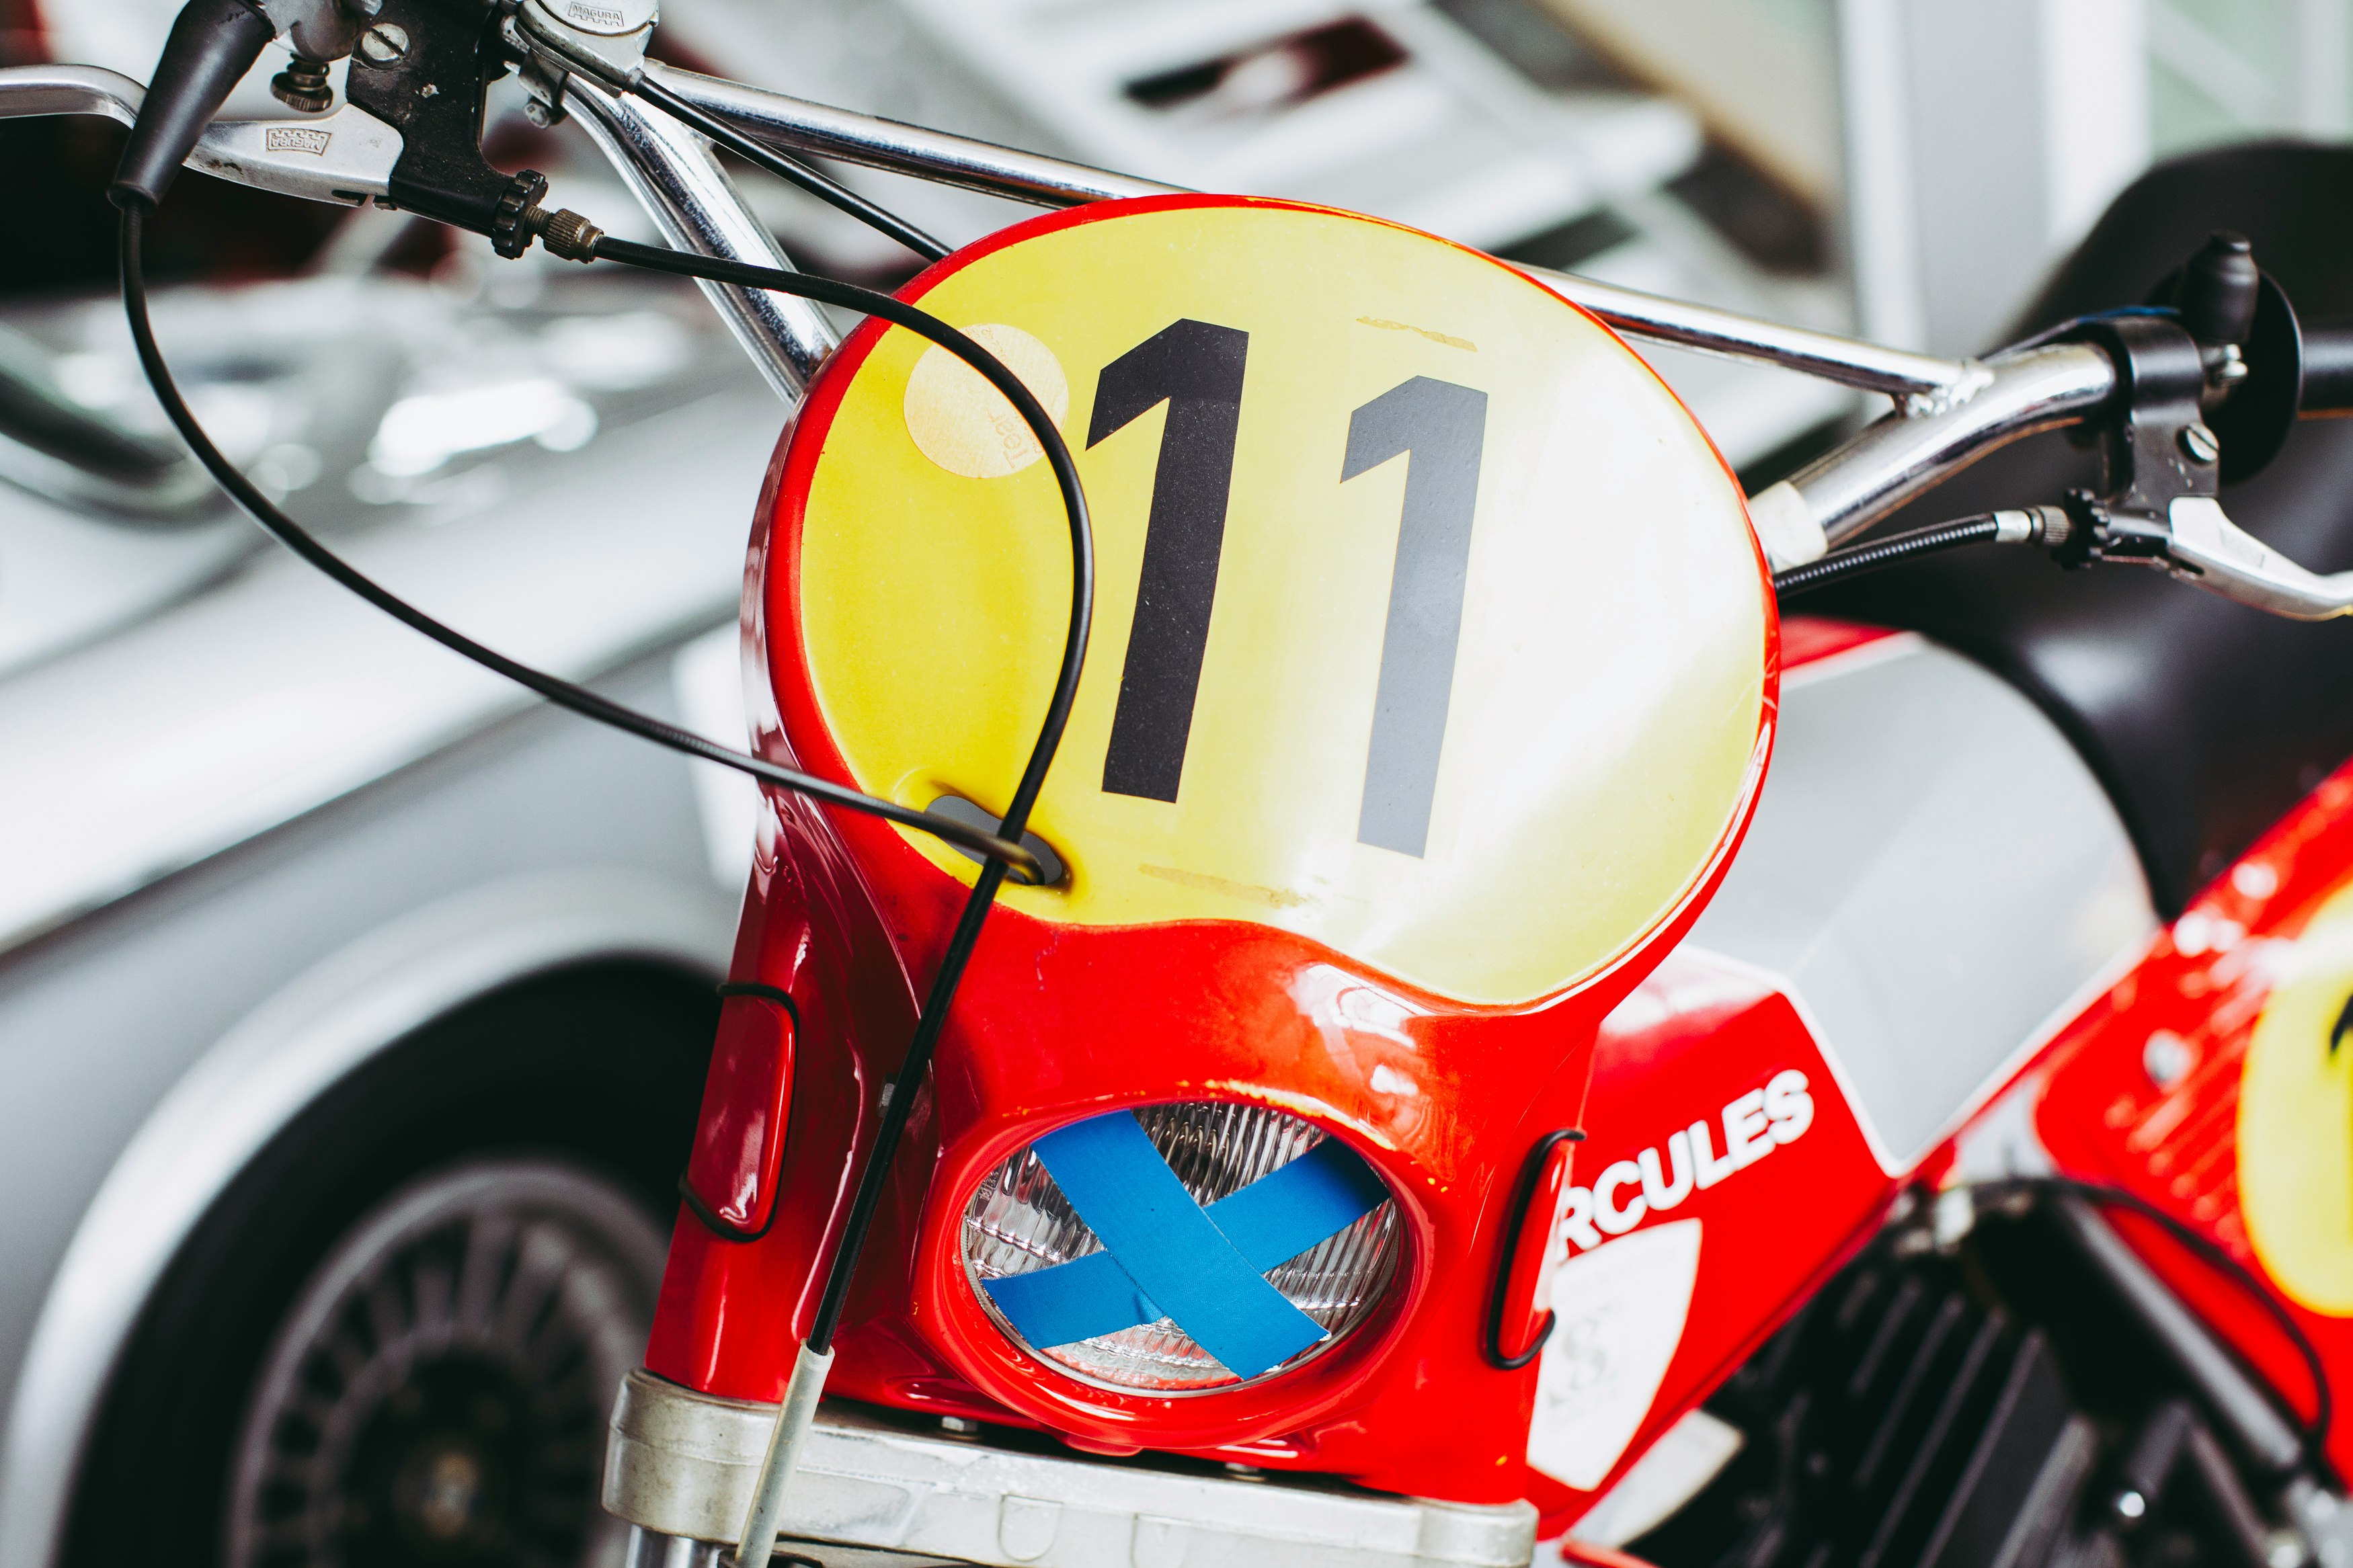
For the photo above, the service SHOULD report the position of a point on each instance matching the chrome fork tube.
(674, 175)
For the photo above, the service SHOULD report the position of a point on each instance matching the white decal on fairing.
(1618, 1315)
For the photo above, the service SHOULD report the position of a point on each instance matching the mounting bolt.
(384, 44)
(302, 85)
(2199, 445)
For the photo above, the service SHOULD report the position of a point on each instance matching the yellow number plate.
(1429, 626)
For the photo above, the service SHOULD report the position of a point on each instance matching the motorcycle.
(1462, 1034)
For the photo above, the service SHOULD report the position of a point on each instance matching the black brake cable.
(564, 693)
(900, 1106)
(765, 157)
(2047, 526)
(1001, 851)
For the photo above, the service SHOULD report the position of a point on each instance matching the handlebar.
(1846, 491)
(1947, 414)
(2327, 369)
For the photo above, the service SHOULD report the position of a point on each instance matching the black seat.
(2205, 721)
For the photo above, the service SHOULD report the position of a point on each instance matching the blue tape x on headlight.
(1165, 1256)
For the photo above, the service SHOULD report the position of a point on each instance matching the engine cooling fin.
(1915, 1415)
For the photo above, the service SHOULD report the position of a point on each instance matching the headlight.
(1021, 1232)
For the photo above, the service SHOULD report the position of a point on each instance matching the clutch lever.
(2163, 461)
(345, 158)
(2202, 547)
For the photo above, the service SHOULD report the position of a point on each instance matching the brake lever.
(345, 157)
(2205, 549)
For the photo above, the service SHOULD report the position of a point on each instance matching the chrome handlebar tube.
(27, 90)
(796, 125)
(1846, 491)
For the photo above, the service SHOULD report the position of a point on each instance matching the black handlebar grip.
(213, 44)
(2217, 293)
(2328, 367)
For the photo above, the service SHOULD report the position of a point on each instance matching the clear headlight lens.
(1019, 1221)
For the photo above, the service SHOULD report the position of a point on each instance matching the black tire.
(545, 1125)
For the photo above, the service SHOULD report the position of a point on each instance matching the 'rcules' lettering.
(1754, 1126)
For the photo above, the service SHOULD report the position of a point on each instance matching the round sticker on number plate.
(1428, 623)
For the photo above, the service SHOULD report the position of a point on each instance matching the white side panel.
(1933, 874)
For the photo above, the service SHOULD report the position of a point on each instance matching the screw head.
(2199, 445)
(384, 44)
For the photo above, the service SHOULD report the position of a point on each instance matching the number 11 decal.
(1441, 429)
(1196, 367)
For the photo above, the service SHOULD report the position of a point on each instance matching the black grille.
(1993, 1406)
(1896, 1421)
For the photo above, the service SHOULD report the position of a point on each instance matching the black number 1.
(1196, 369)
(1444, 429)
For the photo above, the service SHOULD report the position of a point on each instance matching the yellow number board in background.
(1429, 625)
(2296, 1116)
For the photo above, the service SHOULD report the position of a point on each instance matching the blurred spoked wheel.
(438, 1390)
(394, 1340)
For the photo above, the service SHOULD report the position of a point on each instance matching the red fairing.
(1805, 639)
(1786, 1186)
(2145, 1088)
(2198, 999)
(1056, 1021)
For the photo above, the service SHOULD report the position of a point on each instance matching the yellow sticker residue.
(966, 426)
